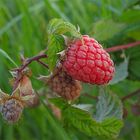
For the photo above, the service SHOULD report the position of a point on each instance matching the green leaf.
(107, 122)
(121, 72)
(84, 122)
(106, 29)
(58, 26)
(111, 126)
(56, 29)
(8, 57)
(59, 102)
(55, 45)
(109, 105)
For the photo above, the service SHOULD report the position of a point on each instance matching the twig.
(30, 60)
(23, 66)
(130, 95)
(43, 64)
(122, 47)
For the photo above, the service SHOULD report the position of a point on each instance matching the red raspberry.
(87, 61)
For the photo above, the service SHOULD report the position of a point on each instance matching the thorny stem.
(122, 47)
(26, 63)
(30, 60)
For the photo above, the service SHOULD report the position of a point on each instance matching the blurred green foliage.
(23, 25)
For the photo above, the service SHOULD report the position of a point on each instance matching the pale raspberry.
(64, 85)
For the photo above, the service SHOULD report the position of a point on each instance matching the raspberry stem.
(27, 62)
(30, 60)
(43, 64)
(122, 47)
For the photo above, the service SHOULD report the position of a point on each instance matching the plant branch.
(130, 95)
(43, 64)
(30, 60)
(122, 47)
(25, 64)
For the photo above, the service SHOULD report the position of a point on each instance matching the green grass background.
(23, 26)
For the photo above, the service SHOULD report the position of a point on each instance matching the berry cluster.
(22, 96)
(84, 60)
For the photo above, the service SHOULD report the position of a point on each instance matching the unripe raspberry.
(64, 85)
(26, 89)
(11, 110)
(87, 61)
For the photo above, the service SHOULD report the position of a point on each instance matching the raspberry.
(64, 85)
(27, 89)
(26, 86)
(87, 61)
(11, 110)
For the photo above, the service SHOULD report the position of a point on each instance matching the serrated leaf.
(109, 105)
(58, 26)
(121, 72)
(106, 29)
(8, 57)
(84, 122)
(55, 45)
(112, 126)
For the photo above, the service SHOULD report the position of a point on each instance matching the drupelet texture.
(64, 85)
(87, 61)
(12, 110)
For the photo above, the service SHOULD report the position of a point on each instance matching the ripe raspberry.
(11, 110)
(63, 84)
(87, 61)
